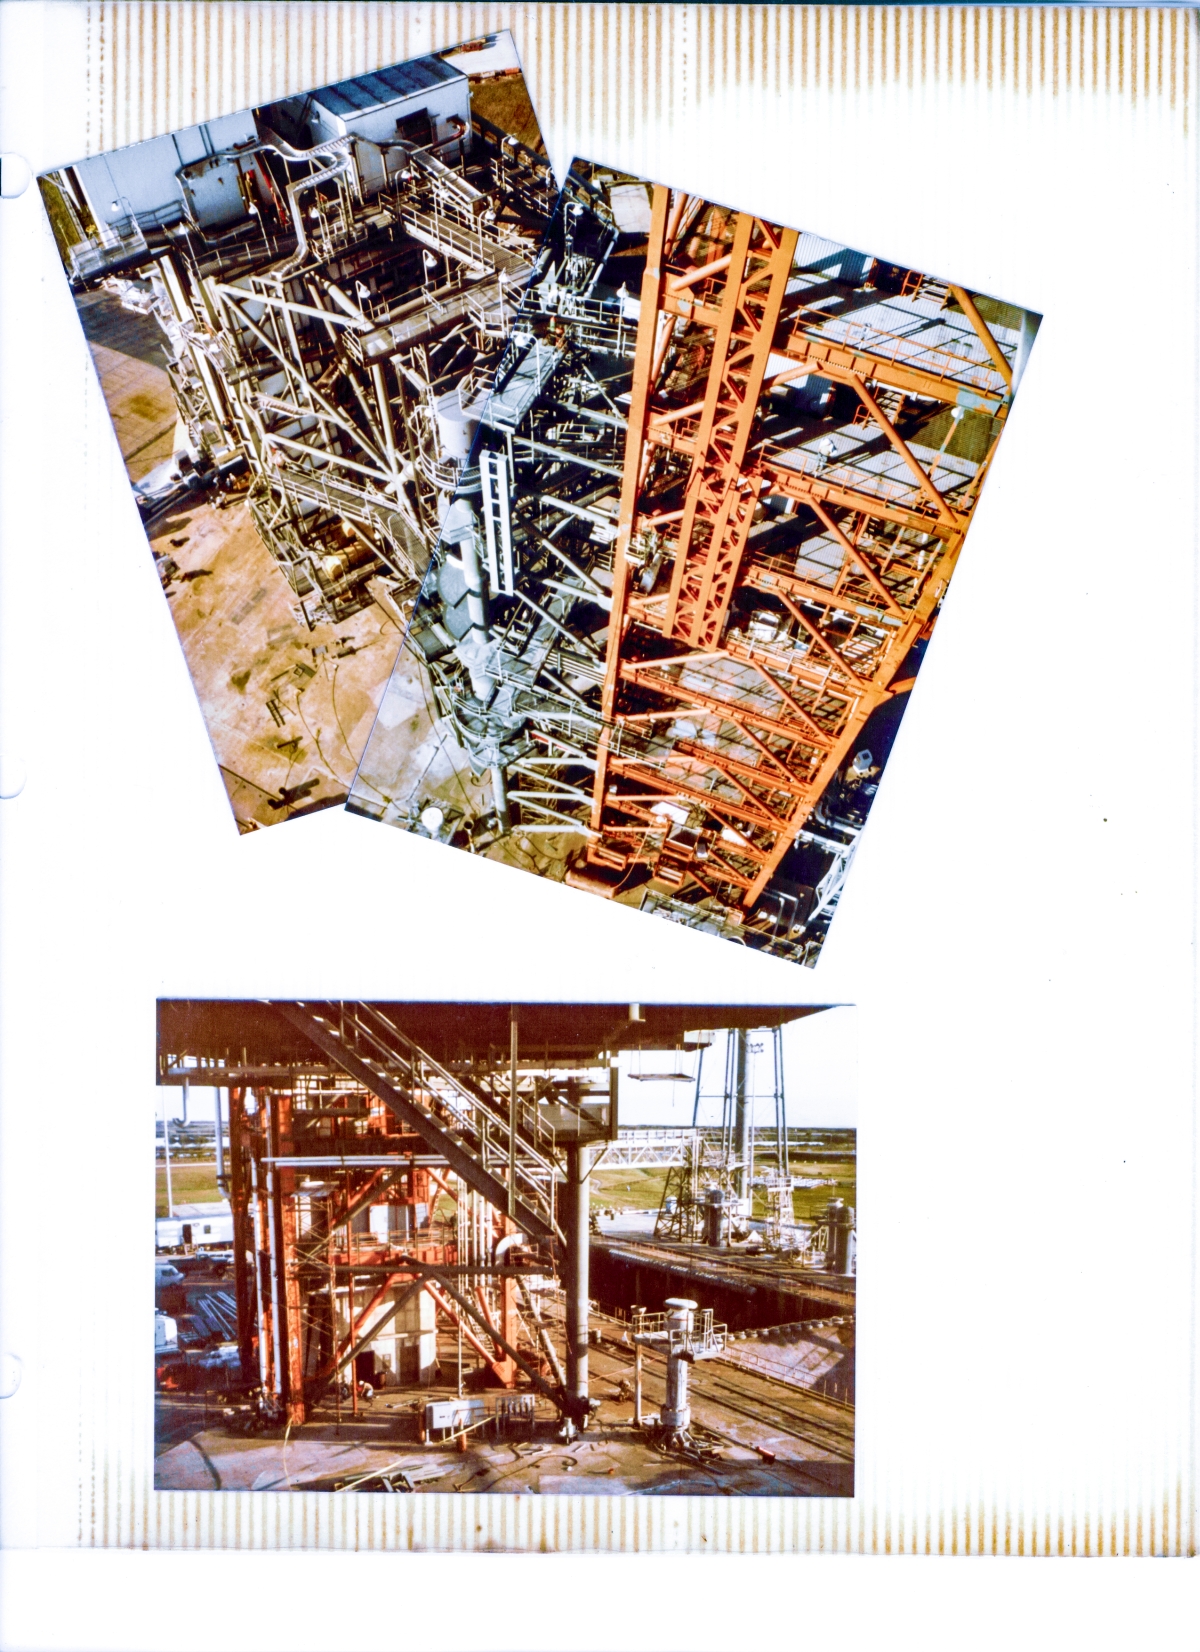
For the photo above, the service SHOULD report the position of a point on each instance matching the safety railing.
(702, 1336)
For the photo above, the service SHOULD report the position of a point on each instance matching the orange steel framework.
(721, 512)
(350, 1144)
(300, 1324)
(794, 713)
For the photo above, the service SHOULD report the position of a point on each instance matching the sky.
(820, 1071)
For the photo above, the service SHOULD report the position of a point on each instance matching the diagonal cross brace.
(572, 1405)
(437, 1139)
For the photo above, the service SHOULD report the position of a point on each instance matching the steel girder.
(778, 715)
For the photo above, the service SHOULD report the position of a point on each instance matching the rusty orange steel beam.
(725, 873)
(852, 551)
(799, 673)
(631, 478)
(804, 808)
(837, 362)
(920, 475)
(971, 310)
(884, 685)
(689, 658)
(704, 574)
(705, 756)
(823, 642)
(726, 317)
(728, 768)
(757, 665)
(737, 713)
(798, 484)
(936, 578)
(809, 487)
(704, 315)
(764, 577)
(815, 678)
(452, 1313)
(359, 1319)
(762, 816)
(794, 779)
(676, 283)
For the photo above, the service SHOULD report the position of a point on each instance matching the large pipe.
(543, 1336)
(167, 1154)
(222, 1180)
(258, 1296)
(275, 1247)
(500, 798)
(741, 1113)
(296, 261)
(578, 1235)
(468, 550)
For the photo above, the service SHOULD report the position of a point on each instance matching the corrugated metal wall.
(614, 71)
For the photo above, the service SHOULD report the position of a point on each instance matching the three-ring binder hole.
(15, 176)
(12, 775)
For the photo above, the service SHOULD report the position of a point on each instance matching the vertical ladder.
(497, 519)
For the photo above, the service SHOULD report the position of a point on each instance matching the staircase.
(516, 1170)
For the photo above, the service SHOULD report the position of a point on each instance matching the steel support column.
(575, 1274)
(292, 1328)
(741, 1113)
(243, 1236)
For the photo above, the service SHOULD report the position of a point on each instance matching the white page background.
(1017, 930)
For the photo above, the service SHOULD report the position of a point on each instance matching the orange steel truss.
(776, 708)
(309, 1250)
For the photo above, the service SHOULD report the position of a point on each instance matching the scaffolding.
(331, 345)
(739, 463)
(396, 1168)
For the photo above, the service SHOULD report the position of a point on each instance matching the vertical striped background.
(608, 73)
(613, 82)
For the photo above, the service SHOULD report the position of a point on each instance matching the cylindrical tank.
(839, 1219)
(455, 428)
(676, 1412)
(714, 1212)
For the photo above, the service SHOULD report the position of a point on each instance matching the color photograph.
(295, 313)
(686, 585)
(584, 1248)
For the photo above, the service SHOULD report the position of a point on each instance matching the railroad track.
(821, 1423)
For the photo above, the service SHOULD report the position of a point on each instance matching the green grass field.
(628, 1189)
(643, 1189)
(615, 1189)
(191, 1184)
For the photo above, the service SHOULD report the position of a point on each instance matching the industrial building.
(429, 1288)
(723, 479)
(296, 312)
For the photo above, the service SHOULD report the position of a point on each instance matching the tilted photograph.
(295, 313)
(574, 1248)
(686, 584)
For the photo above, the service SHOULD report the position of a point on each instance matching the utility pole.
(742, 1111)
(167, 1151)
